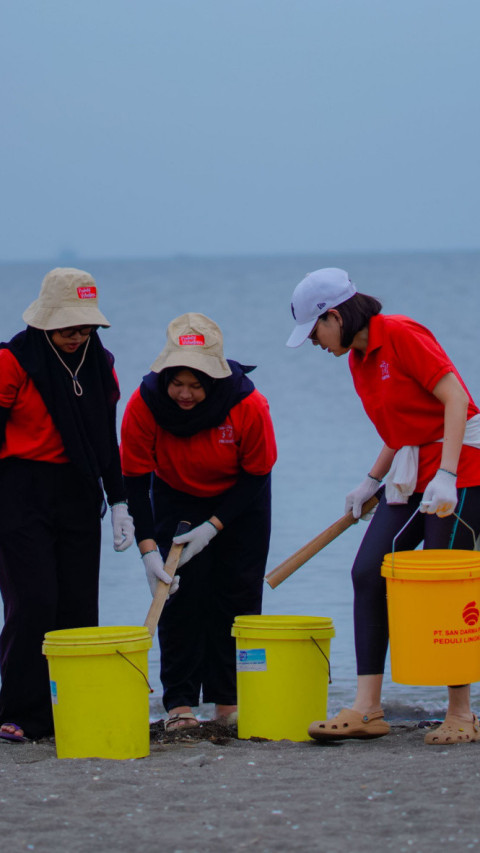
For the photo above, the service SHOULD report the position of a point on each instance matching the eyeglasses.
(312, 336)
(71, 331)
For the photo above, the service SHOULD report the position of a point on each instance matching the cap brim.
(301, 333)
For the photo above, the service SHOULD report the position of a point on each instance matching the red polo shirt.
(204, 464)
(395, 380)
(30, 432)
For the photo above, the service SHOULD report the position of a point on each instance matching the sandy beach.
(210, 791)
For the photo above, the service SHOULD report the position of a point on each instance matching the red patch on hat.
(87, 292)
(191, 341)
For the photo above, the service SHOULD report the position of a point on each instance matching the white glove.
(123, 529)
(154, 571)
(440, 496)
(355, 500)
(197, 539)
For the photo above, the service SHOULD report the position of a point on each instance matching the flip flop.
(455, 729)
(350, 724)
(13, 737)
(170, 722)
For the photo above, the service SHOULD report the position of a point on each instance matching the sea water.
(326, 444)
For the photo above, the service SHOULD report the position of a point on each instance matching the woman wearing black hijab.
(197, 437)
(58, 453)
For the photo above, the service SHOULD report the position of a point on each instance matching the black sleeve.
(140, 507)
(244, 493)
(113, 480)
(112, 475)
(4, 413)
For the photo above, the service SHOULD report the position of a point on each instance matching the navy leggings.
(370, 603)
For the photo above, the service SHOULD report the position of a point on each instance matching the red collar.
(376, 333)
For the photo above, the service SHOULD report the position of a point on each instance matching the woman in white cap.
(198, 423)
(430, 427)
(58, 452)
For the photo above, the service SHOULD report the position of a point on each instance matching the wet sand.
(209, 791)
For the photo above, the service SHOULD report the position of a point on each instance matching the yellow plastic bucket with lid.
(283, 669)
(100, 691)
(433, 600)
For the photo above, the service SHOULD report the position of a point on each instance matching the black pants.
(224, 581)
(49, 569)
(370, 604)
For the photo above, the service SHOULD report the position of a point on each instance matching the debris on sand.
(206, 730)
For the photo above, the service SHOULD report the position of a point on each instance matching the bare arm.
(455, 400)
(383, 463)
(146, 545)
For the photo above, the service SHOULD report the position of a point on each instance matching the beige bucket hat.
(68, 297)
(193, 340)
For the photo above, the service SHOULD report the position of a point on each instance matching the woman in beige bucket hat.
(199, 435)
(58, 451)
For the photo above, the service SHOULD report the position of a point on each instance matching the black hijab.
(221, 396)
(87, 423)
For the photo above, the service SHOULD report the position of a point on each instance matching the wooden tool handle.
(162, 590)
(291, 564)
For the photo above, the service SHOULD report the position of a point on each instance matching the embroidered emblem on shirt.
(385, 369)
(226, 434)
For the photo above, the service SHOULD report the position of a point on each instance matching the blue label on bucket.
(53, 692)
(251, 660)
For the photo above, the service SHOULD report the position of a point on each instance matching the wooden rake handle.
(291, 564)
(162, 590)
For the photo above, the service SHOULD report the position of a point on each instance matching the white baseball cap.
(316, 294)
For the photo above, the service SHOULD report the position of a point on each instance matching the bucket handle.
(324, 655)
(412, 517)
(150, 688)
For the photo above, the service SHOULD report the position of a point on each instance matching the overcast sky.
(135, 128)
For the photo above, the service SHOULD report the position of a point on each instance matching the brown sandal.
(349, 723)
(454, 729)
(180, 721)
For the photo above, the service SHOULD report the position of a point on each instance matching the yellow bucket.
(283, 667)
(99, 689)
(433, 600)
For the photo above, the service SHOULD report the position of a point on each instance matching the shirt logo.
(89, 292)
(226, 434)
(385, 369)
(191, 341)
